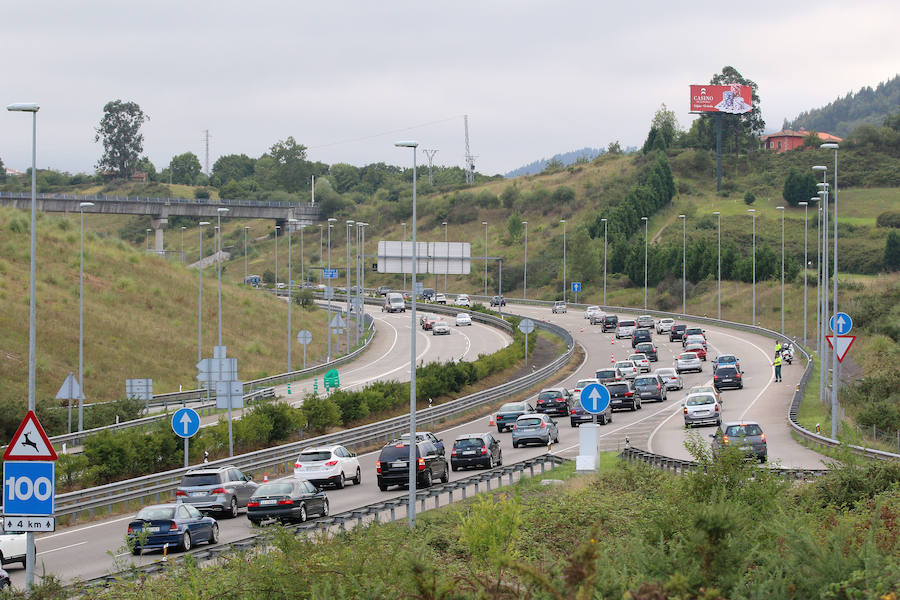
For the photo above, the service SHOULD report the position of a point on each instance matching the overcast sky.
(348, 78)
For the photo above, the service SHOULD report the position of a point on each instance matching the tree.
(892, 251)
(664, 129)
(799, 187)
(291, 167)
(185, 168)
(514, 226)
(232, 167)
(738, 131)
(122, 141)
(2, 172)
(614, 148)
(144, 164)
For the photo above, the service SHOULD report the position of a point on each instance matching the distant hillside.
(866, 107)
(567, 158)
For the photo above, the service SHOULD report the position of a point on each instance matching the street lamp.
(302, 270)
(835, 381)
(781, 208)
(752, 212)
(182, 244)
(447, 250)
(411, 505)
(290, 229)
(683, 264)
(331, 222)
(485, 256)
(605, 226)
(246, 229)
(719, 217)
(277, 227)
(321, 247)
(824, 308)
(805, 206)
(525, 273)
(347, 328)
(401, 258)
(147, 239)
(33, 108)
(563, 221)
(646, 238)
(82, 206)
(200, 297)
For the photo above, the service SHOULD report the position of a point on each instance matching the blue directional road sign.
(595, 398)
(576, 286)
(29, 488)
(185, 422)
(841, 323)
(329, 273)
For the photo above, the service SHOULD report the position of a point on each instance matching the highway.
(84, 551)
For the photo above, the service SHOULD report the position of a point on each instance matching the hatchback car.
(621, 395)
(557, 401)
(462, 300)
(170, 525)
(647, 349)
(382, 290)
(440, 328)
(664, 325)
(590, 311)
(650, 387)
(221, 489)
(392, 467)
(641, 362)
(701, 409)
(671, 377)
(597, 317)
(580, 385)
(559, 307)
(726, 376)
(697, 348)
(625, 329)
(607, 375)
(645, 322)
(535, 429)
(440, 299)
(747, 436)
(328, 465)
(427, 436)
(475, 450)
(508, 413)
(696, 331)
(676, 332)
(610, 323)
(287, 500)
(640, 336)
(726, 359)
(427, 322)
(693, 339)
(627, 369)
(463, 319)
(578, 415)
(688, 361)
(705, 389)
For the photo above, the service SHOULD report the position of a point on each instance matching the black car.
(608, 374)
(727, 376)
(428, 294)
(641, 335)
(677, 333)
(475, 450)
(392, 467)
(286, 500)
(648, 350)
(508, 413)
(650, 387)
(610, 323)
(621, 395)
(556, 401)
(4, 581)
(577, 415)
(498, 301)
(427, 436)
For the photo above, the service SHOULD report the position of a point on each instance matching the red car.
(427, 322)
(697, 349)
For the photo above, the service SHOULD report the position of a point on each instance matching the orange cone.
(265, 477)
(612, 359)
(492, 423)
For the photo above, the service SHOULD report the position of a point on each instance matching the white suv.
(462, 300)
(559, 307)
(664, 325)
(626, 329)
(12, 548)
(328, 464)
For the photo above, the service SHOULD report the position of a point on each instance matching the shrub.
(321, 413)
(888, 219)
(749, 198)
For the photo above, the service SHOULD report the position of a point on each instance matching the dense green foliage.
(54, 416)
(799, 187)
(868, 106)
(123, 143)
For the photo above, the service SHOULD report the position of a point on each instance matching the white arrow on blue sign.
(576, 286)
(29, 488)
(595, 398)
(185, 422)
(841, 323)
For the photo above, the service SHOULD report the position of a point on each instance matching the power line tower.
(206, 143)
(430, 154)
(470, 160)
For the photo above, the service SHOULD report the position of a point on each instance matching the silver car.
(645, 322)
(218, 489)
(688, 361)
(747, 436)
(535, 429)
(627, 369)
(671, 377)
(701, 409)
(625, 329)
(664, 325)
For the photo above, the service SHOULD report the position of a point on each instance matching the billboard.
(732, 99)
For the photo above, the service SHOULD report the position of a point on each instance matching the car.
(727, 359)
(705, 389)
(664, 325)
(427, 322)
(427, 436)
(428, 294)
(645, 322)
(726, 376)
(176, 525)
(696, 331)
(392, 466)
(590, 311)
(676, 332)
(509, 412)
(558, 307)
(394, 302)
(536, 428)
(697, 348)
(688, 361)
(463, 319)
(498, 301)
(641, 361)
(627, 369)
(440, 328)
(648, 349)
(5, 582)
(693, 339)
(671, 377)
(462, 300)
(621, 395)
(610, 323)
(650, 387)
(608, 374)
(288, 500)
(597, 317)
(639, 336)
(382, 290)
(475, 450)
(577, 414)
(216, 489)
(580, 385)
(440, 299)
(747, 436)
(328, 465)
(12, 548)
(625, 329)
(701, 409)
(554, 400)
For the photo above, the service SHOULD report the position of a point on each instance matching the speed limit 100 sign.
(28, 488)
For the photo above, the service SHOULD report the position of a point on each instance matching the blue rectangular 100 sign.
(29, 488)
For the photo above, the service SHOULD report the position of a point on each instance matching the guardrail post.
(531, 469)
(510, 478)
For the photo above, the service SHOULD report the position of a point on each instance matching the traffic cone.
(265, 477)
(492, 423)
(612, 359)
(581, 330)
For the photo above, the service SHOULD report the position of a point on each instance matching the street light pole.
(823, 353)
(835, 382)
(719, 218)
(331, 222)
(401, 258)
(277, 227)
(200, 297)
(605, 229)
(752, 212)
(563, 221)
(219, 212)
(82, 206)
(646, 242)
(321, 249)
(781, 208)
(182, 243)
(683, 264)
(525, 273)
(245, 253)
(805, 206)
(347, 324)
(447, 250)
(290, 231)
(485, 255)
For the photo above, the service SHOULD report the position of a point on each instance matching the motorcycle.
(787, 353)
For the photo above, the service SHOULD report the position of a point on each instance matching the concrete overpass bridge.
(160, 209)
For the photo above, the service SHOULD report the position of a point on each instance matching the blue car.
(727, 359)
(171, 525)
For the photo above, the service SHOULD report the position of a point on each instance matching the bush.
(321, 413)
(888, 219)
(749, 198)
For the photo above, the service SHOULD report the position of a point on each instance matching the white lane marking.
(401, 367)
(60, 548)
(468, 343)
(85, 528)
(386, 352)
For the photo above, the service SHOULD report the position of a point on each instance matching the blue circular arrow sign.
(595, 398)
(185, 422)
(841, 323)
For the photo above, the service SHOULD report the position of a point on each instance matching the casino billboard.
(732, 99)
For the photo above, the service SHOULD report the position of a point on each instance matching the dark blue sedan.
(171, 525)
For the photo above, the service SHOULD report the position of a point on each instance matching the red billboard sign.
(733, 99)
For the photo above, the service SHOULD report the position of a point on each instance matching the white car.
(590, 310)
(664, 325)
(12, 548)
(671, 377)
(463, 300)
(559, 307)
(693, 339)
(332, 465)
(642, 362)
(440, 328)
(701, 409)
(627, 369)
(463, 319)
(440, 299)
(580, 385)
(625, 329)
(688, 361)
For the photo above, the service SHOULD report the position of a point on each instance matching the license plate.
(194, 494)
(469, 452)
(727, 380)
(398, 464)
(267, 502)
(153, 529)
(701, 413)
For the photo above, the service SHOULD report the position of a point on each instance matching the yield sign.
(30, 442)
(841, 344)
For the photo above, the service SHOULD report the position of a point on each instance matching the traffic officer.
(777, 347)
(777, 365)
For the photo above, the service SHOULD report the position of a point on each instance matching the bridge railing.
(155, 200)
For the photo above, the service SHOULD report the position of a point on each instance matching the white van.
(626, 329)
(393, 302)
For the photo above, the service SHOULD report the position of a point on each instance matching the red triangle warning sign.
(30, 442)
(841, 344)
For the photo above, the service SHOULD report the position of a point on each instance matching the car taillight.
(421, 464)
(571, 411)
(657, 386)
(685, 410)
(724, 439)
(285, 501)
(515, 427)
(543, 424)
(173, 526)
(541, 401)
(453, 452)
(219, 491)
(180, 493)
(484, 449)
(763, 437)
(738, 375)
(629, 394)
(715, 377)
(297, 465)
(130, 529)
(378, 466)
(331, 463)
(717, 408)
(252, 503)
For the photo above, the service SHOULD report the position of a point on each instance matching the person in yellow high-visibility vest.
(777, 365)
(777, 347)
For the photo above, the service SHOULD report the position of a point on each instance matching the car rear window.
(512, 407)
(617, 388)
(473, 442)
(611, 319)
(528, 422)
(606, 373)
(645, 347)
(726, 371)
(645, 381)
(315, 455)
(679, 327)
(153, 513)
(274, 489)
(741, 430)
(688, 356)
(552, 395)
(700, 400)
(584, 383)
(192, 479)
(627, 323)
(395, 452)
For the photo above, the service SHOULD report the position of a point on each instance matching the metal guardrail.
(152, 200)
(153, 486)
(374, 512)
(681, 467)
